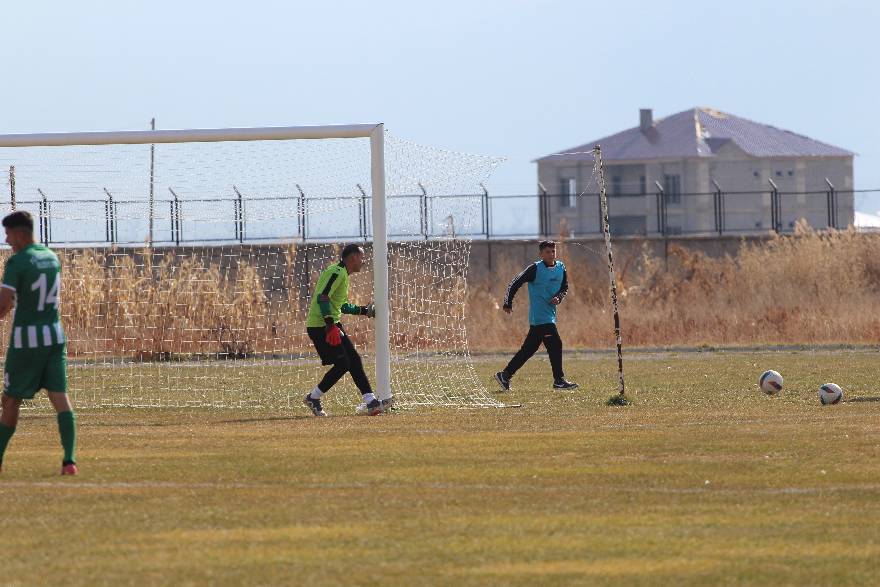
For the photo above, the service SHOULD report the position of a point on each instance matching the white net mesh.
(197, 294)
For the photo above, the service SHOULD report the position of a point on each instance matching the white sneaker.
(386, 405)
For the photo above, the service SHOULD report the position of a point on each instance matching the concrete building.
(699, 171)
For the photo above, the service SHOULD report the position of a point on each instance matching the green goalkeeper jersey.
(34, 274)
(330, 298)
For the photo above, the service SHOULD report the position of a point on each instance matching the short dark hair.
(19, 219)
(351, 250)
(546, 245)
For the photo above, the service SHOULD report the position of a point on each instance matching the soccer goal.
(188, 259)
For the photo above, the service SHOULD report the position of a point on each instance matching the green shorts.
(27, 371)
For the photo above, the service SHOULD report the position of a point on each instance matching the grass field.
(704, 480)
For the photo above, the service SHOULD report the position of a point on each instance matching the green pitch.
(704, 480)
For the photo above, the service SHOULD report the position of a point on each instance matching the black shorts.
(329, 354)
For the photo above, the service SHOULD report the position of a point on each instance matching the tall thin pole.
(44, 237)
(301, 213)
(599, 172)
(12, 187)
(152, 181)
(380, 264)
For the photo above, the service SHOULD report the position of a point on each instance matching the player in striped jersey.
(37, 355)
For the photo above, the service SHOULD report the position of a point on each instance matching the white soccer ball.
(830, 393)
(361, 409)
(770, 382)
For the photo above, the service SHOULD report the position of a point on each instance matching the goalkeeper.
(329, 302)
(548, 284)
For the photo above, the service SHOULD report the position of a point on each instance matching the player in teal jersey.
(37, 354)
(329, 302)
(548, 283)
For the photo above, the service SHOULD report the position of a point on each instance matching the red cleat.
(69, 469)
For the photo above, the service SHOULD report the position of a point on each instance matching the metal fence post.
(831, 197)
(110, 213)
(301, 213)
(719, 208)
(424, 210)
(775, 212)
(485, 209)
(175, 218)
(661, 208)
(45, 234)
(12, 186)
(488, 218)
(543, 221)
(239, 215)
(363, 212)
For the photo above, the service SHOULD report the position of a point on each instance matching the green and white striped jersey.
(34, 274)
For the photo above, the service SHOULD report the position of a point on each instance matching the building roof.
(699, 132)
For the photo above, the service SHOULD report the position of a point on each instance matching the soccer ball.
(830, 393)
(770, 382)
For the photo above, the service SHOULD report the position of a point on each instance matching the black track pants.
(343, 357)
(547, 334)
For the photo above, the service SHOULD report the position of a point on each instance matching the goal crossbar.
(376, 134)
(197, 135)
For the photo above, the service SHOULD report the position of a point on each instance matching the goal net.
(189, 258)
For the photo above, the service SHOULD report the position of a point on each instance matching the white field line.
(73, 484)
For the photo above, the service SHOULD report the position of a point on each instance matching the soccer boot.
(388, 405)
(69, 469)
(314, 405)
(374, 408)
(563, 384)
(503, 380)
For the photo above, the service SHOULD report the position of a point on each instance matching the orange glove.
(334, 335)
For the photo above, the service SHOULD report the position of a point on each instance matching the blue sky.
(512, 78)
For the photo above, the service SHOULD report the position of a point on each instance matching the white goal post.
(375, 133)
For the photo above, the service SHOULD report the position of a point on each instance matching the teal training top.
(545, 283)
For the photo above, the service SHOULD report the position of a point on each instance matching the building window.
(615, 186)
(568, 190)
(643, 185)
(672, 188)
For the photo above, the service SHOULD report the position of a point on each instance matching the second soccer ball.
(830, 393)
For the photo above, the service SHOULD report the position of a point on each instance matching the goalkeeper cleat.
(314, 405)
(374, 408)
(503, 380)
(363, 408)
(69, 469)
(563, 384)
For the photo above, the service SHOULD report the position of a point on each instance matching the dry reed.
(809, 287)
